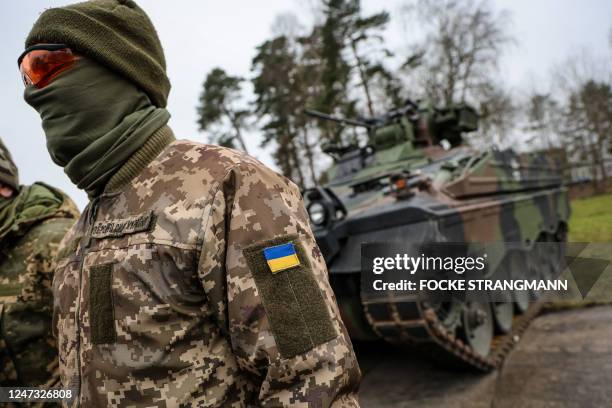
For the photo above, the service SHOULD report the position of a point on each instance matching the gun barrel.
(344, 121)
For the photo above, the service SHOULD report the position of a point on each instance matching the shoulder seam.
(204, 225)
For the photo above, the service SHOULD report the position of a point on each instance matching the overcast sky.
(199, 35)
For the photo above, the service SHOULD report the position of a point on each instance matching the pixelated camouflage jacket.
(163, 296)
(40, 216)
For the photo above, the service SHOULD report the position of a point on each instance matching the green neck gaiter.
(94, 120)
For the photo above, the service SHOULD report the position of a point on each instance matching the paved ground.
(563, 360)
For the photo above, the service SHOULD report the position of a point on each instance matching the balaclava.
(94, 121)
(98, 113)
(117, 34)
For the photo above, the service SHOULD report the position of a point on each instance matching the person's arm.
(30, 317)
(267, 279)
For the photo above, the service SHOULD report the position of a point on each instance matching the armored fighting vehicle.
(412, 178)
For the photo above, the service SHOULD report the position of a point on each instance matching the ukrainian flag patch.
(281, 257)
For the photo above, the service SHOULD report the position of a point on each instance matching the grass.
(590, 222)
(591, 219)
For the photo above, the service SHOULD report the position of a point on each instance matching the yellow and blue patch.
(281, 257)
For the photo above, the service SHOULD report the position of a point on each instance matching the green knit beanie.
(8, 171)
(115, 33)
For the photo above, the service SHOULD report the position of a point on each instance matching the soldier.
(33, 220)
(192, 277)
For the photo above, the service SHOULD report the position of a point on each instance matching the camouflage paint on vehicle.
(404, 186)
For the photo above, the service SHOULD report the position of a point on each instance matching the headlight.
(317, 213)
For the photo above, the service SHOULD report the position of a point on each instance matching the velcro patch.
(281, 257)
(102, 312)
(125, 226)
(296, 309)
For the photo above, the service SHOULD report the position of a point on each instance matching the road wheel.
(477, 327)
(503, 312)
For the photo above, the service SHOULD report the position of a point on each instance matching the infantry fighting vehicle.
(413, 179)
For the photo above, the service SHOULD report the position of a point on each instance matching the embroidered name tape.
(125, 226)
(281, 257)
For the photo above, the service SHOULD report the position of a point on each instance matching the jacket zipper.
(91, 219)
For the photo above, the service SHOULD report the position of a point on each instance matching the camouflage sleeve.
(27, 321)
(44, 242)
(280, 314)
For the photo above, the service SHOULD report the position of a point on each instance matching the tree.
(353, 52)
(583, 82)
(361, 34)
(307, 88)
(294, 72)
(458, 57)
(498, 114)
(349, 67)
(542, 114)
(218, 108)
(587, 125)
(336, 71)
(277, 103)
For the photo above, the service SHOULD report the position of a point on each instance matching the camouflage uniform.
(30, 233)
(163, 297)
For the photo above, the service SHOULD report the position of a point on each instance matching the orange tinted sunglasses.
(41, 63)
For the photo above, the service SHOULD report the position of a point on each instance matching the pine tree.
(218, 104)
(277, 104)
